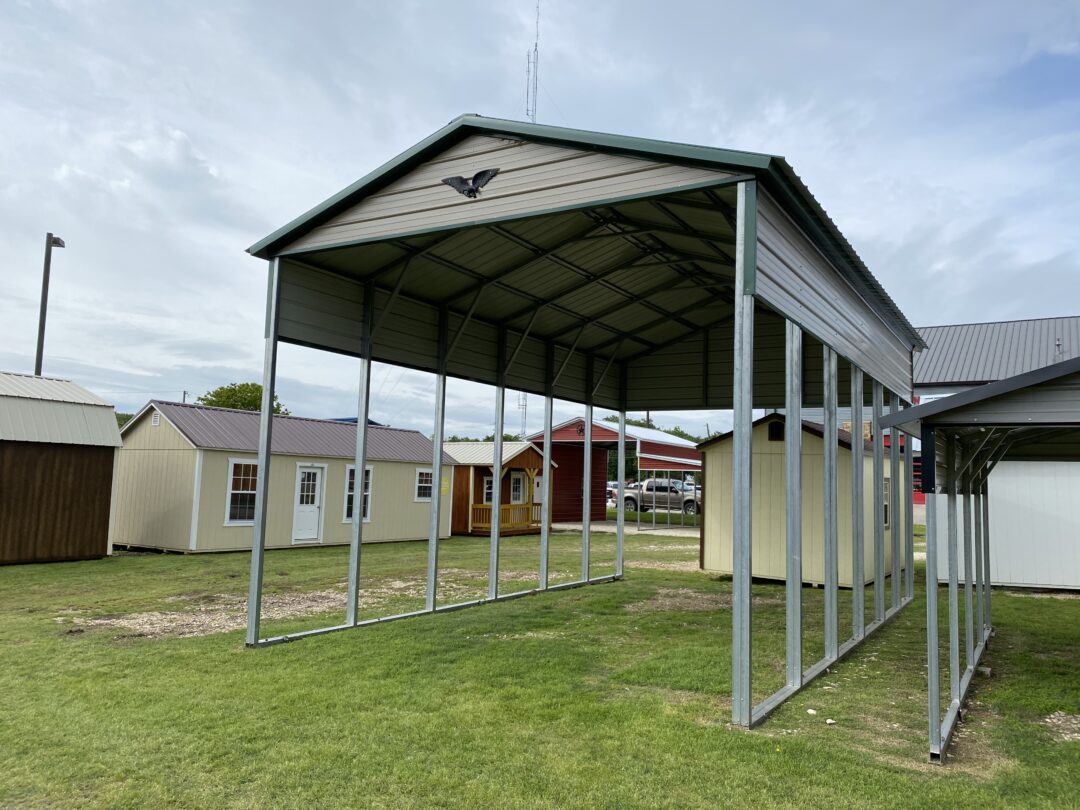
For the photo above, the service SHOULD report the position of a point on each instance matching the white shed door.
(308, 503)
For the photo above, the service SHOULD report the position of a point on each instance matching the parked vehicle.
(661, 493)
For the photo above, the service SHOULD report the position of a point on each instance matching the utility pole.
(50, 242)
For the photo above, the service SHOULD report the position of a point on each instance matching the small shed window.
(776, 431)
(423, 484)
(242, 477)
(517, 487)
(488, 489)
(885, 506)
(155, 419)
(350, 488)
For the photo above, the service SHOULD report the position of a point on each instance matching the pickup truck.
(663, 494)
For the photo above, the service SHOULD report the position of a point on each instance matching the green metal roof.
(774, 172)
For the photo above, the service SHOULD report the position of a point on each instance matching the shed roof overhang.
(605, 264)
(1033, 416)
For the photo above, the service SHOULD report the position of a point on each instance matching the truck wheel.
(630, 505)
(689, 508)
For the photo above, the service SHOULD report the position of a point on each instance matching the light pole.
(50, 242)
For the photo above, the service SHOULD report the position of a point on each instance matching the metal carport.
(618, 272)
(1030, 417)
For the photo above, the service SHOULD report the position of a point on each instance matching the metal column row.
(352, 620)
(965, 487)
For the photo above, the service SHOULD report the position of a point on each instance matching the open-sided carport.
(610, 271)
(1030, 417)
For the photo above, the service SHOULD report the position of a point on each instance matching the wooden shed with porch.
(520, 484)
(57, 446)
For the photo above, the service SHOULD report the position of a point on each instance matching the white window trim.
(487, 497)
(416, 484)
(345, 498)
(229, 490)
(887, 518)
(517, 475)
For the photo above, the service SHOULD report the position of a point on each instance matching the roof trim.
(908, 417)
(813, 428)
(772, 170)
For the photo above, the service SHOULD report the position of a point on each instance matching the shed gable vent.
(155, 420)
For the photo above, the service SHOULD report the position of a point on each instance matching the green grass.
(661, 519)
(614, 695)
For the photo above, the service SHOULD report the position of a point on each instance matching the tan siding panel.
(395, 515)
(534, 177)
(152, 496)
(797, 280)
(769, 518)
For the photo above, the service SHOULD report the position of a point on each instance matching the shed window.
(885, 505)
(517, 487)
(242, 477)
(350, 484)
(155, 419)
(423, 484)
(776, 431)
(488, 489)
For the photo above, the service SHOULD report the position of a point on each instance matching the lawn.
(613, 695)
(677, 519)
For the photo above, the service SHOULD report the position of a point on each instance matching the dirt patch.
(203, 614)
(1063, 727)
(1067, 595)
(688, 599)
(655, 565)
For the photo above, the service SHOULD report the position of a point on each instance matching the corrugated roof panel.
(972, 353)
(483, 452)
(228, 429)
(27, 386)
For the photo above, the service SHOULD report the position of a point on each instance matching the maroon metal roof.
(229, 429)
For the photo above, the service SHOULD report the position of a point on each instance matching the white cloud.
(162, 140)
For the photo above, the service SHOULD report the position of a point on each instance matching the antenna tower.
(523, 406)
(532, 71)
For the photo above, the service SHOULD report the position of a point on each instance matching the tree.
(242, 396)
(123, 418)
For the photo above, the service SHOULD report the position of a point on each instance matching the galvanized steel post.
(497, 466)
(436, 467)
(894, 503)
(266, 426)
(545, 495)
(933, 673)
(858, 498)
(620, 499)
(879, 505)
(951, 464)
(742, 455)
(980, 577)
(793, 501)
(586, 472)
(986, 551)
(909, 517)
(832, 642)
(360, 458)
(969, 613)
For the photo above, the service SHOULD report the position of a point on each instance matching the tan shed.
(185, 481)
(769, 514)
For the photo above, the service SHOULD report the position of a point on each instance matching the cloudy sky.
(162, 139)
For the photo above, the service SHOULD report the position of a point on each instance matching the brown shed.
(520, 486)
(57, 446)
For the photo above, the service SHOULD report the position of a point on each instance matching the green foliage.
(507, 437)
(242, 396)
(648, 423)
(123, 418)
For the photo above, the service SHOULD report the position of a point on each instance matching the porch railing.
(511, 516)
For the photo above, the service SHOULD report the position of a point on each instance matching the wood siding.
(769, 515)
(54, 501)
(533, 177)
(567, 503)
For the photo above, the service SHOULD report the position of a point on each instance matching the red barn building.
(656, 452)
